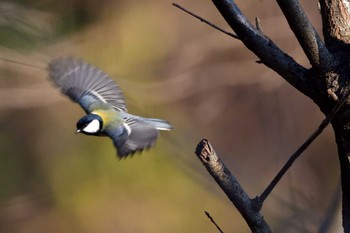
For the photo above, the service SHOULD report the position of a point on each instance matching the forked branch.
(263, 47)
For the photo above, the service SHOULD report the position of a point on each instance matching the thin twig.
(213, 221)
(258, 25)
(206, 21)
(303, 147)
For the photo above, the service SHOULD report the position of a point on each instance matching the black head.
(90, 124)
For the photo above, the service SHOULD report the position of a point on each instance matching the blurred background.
(169, 65)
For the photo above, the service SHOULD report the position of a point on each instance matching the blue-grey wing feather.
(85, 84)
(133, 136)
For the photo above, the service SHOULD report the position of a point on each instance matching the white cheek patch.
(92, 127)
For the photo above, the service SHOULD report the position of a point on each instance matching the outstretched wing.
(132, 136)
(85, 84)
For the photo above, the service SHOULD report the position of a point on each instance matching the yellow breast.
(108, 116)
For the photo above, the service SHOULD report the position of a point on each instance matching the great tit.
(104, 103)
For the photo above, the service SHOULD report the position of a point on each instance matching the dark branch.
(206, 21)
(231, 187)
(263, 47)
(213, 221)
(303, 147)
(313, 46)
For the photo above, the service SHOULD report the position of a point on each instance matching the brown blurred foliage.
(170, 66)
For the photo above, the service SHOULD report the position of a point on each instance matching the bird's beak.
(78, 131)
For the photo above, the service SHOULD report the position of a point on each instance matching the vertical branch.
(335, 22)
(313, 46)
(342, 135)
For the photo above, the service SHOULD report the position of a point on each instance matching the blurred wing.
(135, 136)
(85, 84)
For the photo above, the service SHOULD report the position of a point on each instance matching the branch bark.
(335, 20)
(269, 53)
(336, 30)
(309, 40)
(342, 135)
(229, 184)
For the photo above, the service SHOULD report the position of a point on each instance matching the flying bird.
(104, 104)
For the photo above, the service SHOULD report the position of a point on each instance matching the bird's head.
(90, 124)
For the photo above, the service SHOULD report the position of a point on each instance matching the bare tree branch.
(342, 136)
(263, 47)
(213, 221)
(205, 21)
(335, 22)
(229, 184)
(313, 46)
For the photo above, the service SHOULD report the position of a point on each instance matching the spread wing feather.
(85, 84)
(135, 137)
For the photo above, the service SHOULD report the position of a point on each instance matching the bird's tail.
(158, 123)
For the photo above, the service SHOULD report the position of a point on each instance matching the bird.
(104, 103)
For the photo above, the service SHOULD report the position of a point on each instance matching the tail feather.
(159, 124)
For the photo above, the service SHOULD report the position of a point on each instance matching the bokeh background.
(169, 65)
